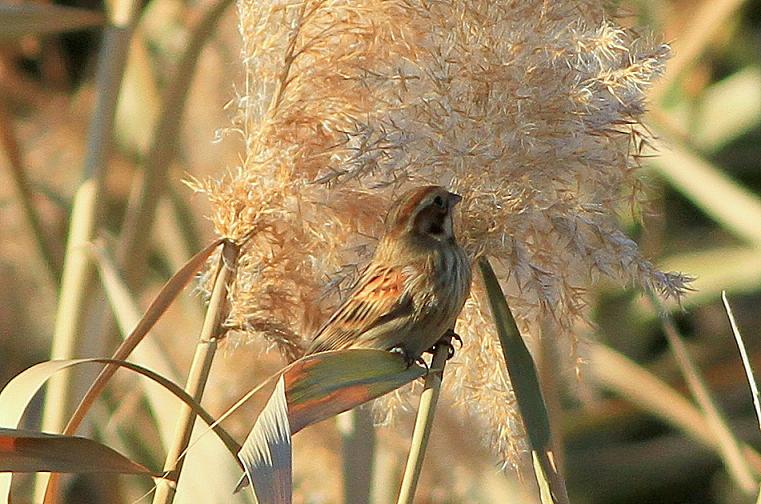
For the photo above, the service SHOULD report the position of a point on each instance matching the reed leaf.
(158, 306)
(266, 453)
(310, 390)
(19, 392)
(24, 451)
(744, 356)
(528, 393)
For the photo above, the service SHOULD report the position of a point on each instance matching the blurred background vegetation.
(703, 218)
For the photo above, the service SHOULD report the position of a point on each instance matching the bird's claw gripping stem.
(446, 339)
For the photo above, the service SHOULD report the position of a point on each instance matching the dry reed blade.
(141, 212)
(728, 445)
(744, 355)
(166, 296)
(267, 454)
(199, 369)
(695, 38)
(128, 314)
(16, 396)
(156, 309)
(20, 182)
(637, 385)
(317, 387)
(200, 478)
(423, 424)
(31, 451)
(19, 392)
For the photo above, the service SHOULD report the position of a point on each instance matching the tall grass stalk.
(77, 268)
(49, 259)
(358, 452)
(423, 423)
(695, 38)
(632, 382)
(744, 356)
(199, 371)
(141, 212)
(728, 445)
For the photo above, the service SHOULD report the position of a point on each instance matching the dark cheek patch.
(435, 228)
(430, 221)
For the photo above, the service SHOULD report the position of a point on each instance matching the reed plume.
(530, 110)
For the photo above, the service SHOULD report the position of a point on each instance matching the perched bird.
(411, 293)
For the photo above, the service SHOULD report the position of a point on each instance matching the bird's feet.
(446, 340)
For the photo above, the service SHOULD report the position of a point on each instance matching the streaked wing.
(379, 298)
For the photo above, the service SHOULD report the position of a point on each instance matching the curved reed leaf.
(310, 390)
(18, 393)
(158, 306)
(30, 451)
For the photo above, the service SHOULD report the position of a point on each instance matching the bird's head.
(423, 212)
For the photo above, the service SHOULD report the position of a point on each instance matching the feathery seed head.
(530, 110)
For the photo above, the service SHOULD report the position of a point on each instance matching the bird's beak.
(454, 199)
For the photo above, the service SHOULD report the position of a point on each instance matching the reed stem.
(141, 212)
(423, 423)
(77, 267)
(358, 453)
(199, 372)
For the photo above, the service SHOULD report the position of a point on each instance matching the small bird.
(410, 295)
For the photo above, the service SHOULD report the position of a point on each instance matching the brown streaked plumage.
(414, 288)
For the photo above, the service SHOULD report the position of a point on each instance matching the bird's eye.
(438, 201)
